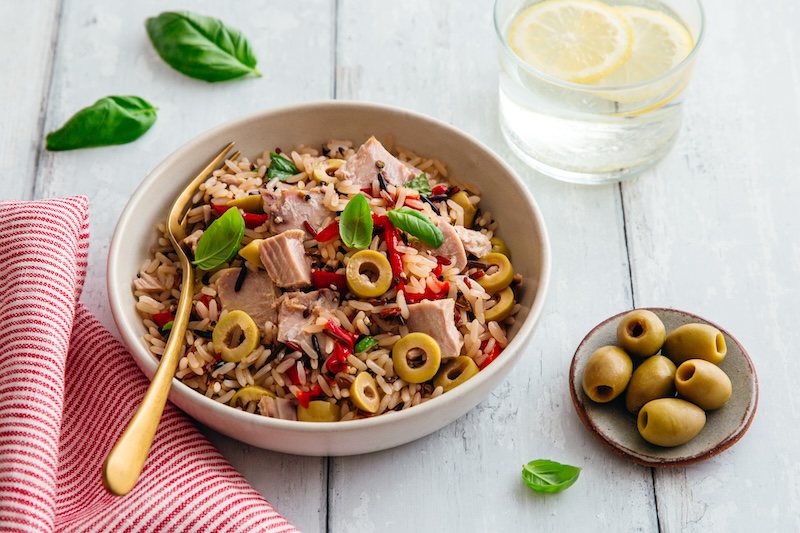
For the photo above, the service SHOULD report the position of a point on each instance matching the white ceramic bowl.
(503, 193)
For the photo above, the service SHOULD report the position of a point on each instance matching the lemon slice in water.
(574, 40)
(659, 43)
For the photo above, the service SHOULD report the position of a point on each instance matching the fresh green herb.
(365, 343)
(280, 167)
(201, 47)
(168, 325)
(110, 120)
(355, 223)
(548, 476)
(220, 241)
(420, 183)
(416, 224)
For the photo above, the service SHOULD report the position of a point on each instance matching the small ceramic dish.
(615, 427)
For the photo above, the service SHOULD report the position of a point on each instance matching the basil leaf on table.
(110, 120)
(420, 183)
(201, 47)
(355, 223)
(415, 223)
(220, 241)
(280, 167)
(543, 475)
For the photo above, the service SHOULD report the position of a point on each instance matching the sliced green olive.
(318, 411)
(416, 357)
(249, 393)
(502, 309)
(250, 204)
(251, 252)
(462, 199)
(369, 274)
(500, 278)
(364, 393)
(455, 372)
(499, 246)
(235, 336)
(324, 171)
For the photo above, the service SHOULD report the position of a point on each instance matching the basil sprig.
(420, 183)
(416, 224)
(365, 343)
(355, 223)
(202, 47)
(543, 475)
(220, 241)
(110, 120)
(280, 167)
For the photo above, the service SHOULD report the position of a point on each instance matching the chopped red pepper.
(293, 376)
(491, 356)
(328, 232)
(251, 220)
(205, 298)
(337, 362)
(340, 334)
(325, 280)
(367, 190)
(427, 294)
(163, 318)
(392, 238)
(304, 397)
(438, 270)
(439, 189)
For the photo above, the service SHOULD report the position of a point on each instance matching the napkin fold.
(67, 390)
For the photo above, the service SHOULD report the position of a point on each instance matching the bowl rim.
(729, 440)
(119, 290)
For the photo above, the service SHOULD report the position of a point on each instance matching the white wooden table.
(713, 230)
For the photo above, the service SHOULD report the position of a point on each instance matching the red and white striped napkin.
(67, 389)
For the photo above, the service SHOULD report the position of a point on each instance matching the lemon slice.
(574, 40)
(659, 43)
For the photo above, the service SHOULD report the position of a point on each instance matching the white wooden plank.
(29, 34)
(466, 477)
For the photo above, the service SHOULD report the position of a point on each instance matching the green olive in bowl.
(641, 333)
(670, 421)
(695, 341)
(653, 379)
(607, 373)
(704, 384)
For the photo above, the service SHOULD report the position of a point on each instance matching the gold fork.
(126, 459)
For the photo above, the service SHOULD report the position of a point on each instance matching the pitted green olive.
(235, 336)
(364, 393)
(324, 172)
(499, 246)
(416, 357)
(606, 373)
(252, 203)
(641, 333)
(249, 393)
(318, 411)
(695, 341)
(702, 383)
(455, 372)
(461, 198)
(369, 274)
(500, 278)
(502, 309)
(670, 421)
(654, 378)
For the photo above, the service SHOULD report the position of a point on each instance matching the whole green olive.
(654, 378)
(606, 373)
(670, 421)
(702, 383)
(455, 372)
(695, 341)
(641, 333)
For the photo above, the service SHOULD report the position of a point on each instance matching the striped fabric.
(67, 389)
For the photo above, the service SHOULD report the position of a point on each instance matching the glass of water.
(592, 92)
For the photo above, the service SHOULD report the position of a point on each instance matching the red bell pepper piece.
(427, 294)
(163, 318)
(337, 362)
(392, 238)
(328, 232)
(304, 397)
(491, 356)
(325, 280)
(251, 220)
(293, 376)
(340, 334)
(438, 190)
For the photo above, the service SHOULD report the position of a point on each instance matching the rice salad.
(334, 282)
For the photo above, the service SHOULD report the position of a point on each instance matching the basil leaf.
(415, 223)
(220, 241)
(365, 343)
(543, 475)
(355, 223)
(201, 47)
(110, 120)
(280, 167)
(420, 183)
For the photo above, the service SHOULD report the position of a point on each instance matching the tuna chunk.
(437, 319)
(452, 247)
(284, 257)
(291, 208)
(256, 296)
(474, 242)
(277, 408)
(362, 168)
(296, 310)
